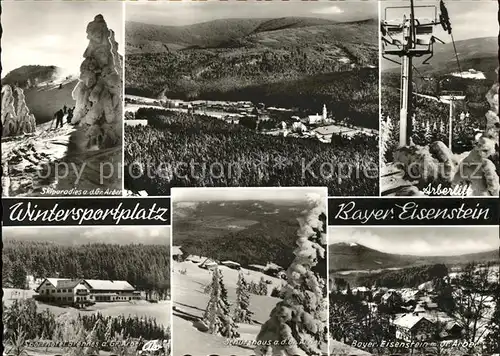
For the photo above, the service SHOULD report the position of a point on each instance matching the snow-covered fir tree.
(92, 339)
(298, 323)
(262, 286)
(492, 340)
(242, 313)
(217, 313)
(385, 137)
(428, 131)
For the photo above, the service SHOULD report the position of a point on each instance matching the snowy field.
(129, 107)
(338, 348)
(29, 154)
(160, 311)
(344, 130)
(189, 298)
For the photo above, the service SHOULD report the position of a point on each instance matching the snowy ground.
(36, 168)
(189, 298)
(338, 348)
(29, 156)
(160, 311)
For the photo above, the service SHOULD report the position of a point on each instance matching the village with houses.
(270, 269)
(444, 305)
(271, 120)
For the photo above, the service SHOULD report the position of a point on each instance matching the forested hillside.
(281, 62)
(146, 267)
(173, 138)
(224, 232)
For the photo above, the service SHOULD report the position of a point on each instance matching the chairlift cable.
(445, 19)
(456, 55)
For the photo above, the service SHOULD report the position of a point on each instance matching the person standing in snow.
(59, 118)
(70, 115)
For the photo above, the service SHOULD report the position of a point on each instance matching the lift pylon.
(407, 38)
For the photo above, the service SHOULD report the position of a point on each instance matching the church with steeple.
(314, 119)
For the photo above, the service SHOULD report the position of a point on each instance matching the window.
(58, 291)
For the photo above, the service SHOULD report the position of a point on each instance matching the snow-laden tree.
(217, 314)
(242, 313)
(18, 343)
(93, 339)
(385, 136)
(492, 341)
(72, 330)
(262, 286)
(428, 130)
(297, 325)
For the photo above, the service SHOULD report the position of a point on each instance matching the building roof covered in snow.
(101, 284)
(194, 258)
(55, 281)
(408, 321)
(176, 251)
(230, 263)
(360, 290)
(419, 309)
(257, 267)
(209, 262)
(273, 266)
(409, 294)
(61, 282)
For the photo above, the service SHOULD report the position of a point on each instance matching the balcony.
(82, 292)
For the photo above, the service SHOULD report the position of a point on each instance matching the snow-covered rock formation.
(16, 116)
(98, 94)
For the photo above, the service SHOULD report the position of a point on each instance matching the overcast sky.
(420, 241)
(231, 194)
(53, 32)
(188, 12)
(148, 235)
(469, 19)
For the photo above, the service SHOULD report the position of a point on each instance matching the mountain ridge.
(343, 257)
(444, 55)
(46, 89)
(150, 38)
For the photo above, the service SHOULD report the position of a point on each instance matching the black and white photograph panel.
(252, 94)
(86, 290)
(249, 271)
(62, 98)
(439, 98)
(429, 290)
